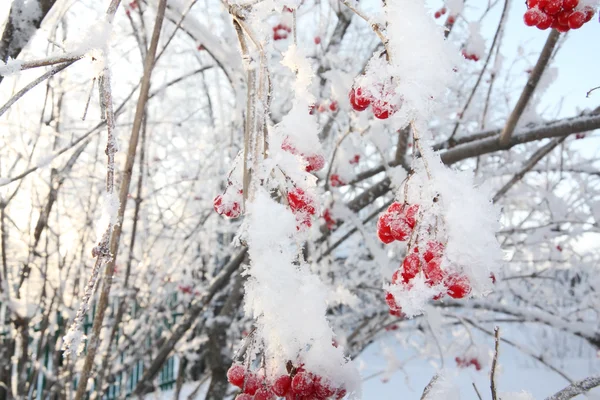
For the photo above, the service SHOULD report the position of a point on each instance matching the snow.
(109, 215)
(11, 67)
(293, 327)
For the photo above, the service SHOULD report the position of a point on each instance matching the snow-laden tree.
(248, 194)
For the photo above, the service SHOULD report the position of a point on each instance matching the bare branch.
(576, 388)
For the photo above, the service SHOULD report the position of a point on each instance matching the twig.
(33, 84)
(591, 90)
(530, 87)
(376, 28)
(576, 388)
(429, 386)
(476, 390)
(495, 363)
(535, 158)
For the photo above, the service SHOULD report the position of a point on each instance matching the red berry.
(316, 162)
(323, 390)
(410, 268)
(355, 159)
(236, 374)
(317, 40)
(230, 210)
(553, 7)
(336, 181)
(437, 14)
(545, 22)
(576, 20)
(475, 362)
(458, 286)
(493, 278)
(322, 108)
(532, 17)
(451, 19)
(264, 394)
(333, 106)
(532, 3)
(340, 393)
(568, 5)
(252, 384)
(382, 110)
(393, 327)
(300, 202)
(589, 13)
(303, 384)
(433, 272)
(359, 100)
(384, 234)
(563, 18)
(329, 221)
(443, 10)
(391, 302)
(282, 385)
(434, 250)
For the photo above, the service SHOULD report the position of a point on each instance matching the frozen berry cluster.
(562, 15)
(361, 99)
(315, 162)
(229, 203)
(465, 362)
(398, 223)
(303, 207)
(298, 384)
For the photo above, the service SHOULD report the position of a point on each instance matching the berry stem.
(529, 88)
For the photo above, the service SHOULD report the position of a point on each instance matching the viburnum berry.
(451, 19)
(229, 209)
(329, 221)
(437, 14)
(316, 162)
(359, 100)
(236, 375)
(251, 384)
(355, 159)
(340, 393)
(458, 286)
(323, 390)
(553, 7)
(336, 181)
(434, 274)
(282, 385)
(299, 201)
(383, 231)
(532, 17)
(264, 393)
(410, 268)
(576, 20)
(398, 221)
(317, 40)
(382, 110)
(303, 384)
(333, 106)
(433, 250)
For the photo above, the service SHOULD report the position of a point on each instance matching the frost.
(413, 85)
(44, 160)
(11, 67)
(96, 37)
(74, 341)
(455, 6)
(288, 302)
(4, 181)
(523, 395)
(475, 44)
(109, 216)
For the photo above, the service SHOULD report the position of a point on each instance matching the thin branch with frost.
(493, 387)
(576, 388)
(429, 386)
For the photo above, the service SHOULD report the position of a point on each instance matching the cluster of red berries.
(329, 220)
(464, 362)
(336, 181)
(229, 205)
(360, 100)
(298, 384)
(440, 12)
(131, 6)
(281, 31)
(561, 15)
(323, 107)
(302, 206)
(469, 56)
(355, 159)
(398, 223)
(315, 162)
